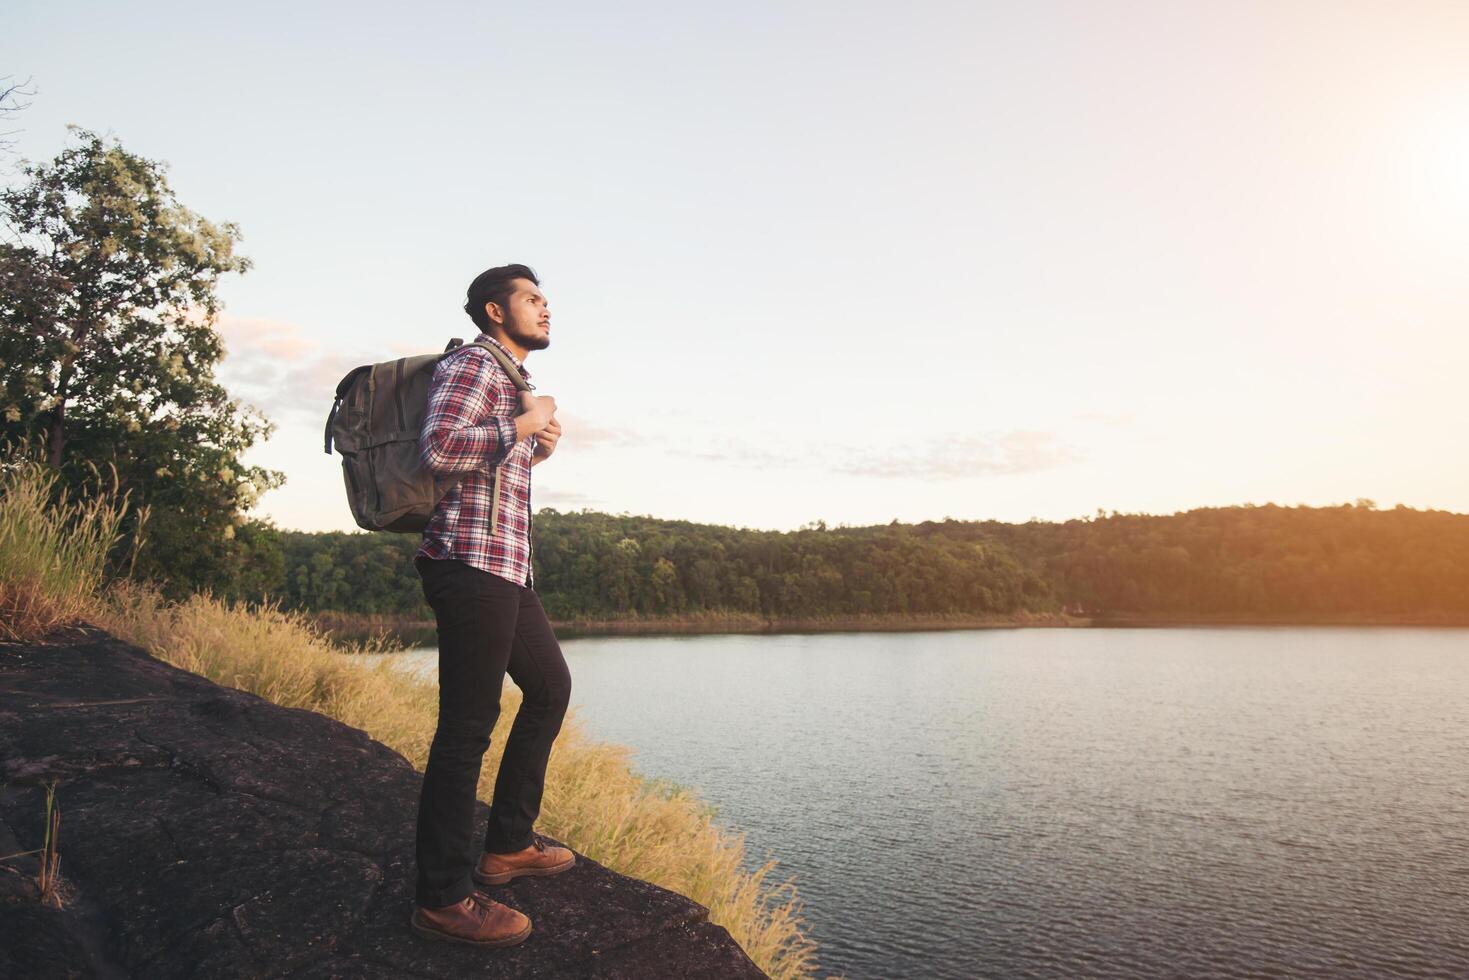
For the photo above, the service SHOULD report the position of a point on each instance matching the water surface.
(1241, 801)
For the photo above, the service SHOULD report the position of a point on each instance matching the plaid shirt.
(470, 428)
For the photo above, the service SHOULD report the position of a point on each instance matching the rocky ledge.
(206, 832)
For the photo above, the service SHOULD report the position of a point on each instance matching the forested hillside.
(1266, 560)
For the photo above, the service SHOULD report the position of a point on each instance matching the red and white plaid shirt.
(470, 428)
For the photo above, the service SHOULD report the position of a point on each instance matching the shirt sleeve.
(460, 431)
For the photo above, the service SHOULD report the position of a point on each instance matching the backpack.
(374, 423)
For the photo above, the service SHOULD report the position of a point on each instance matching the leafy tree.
(108, 348)
(1245, 563)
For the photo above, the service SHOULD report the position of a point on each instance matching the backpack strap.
(456, 345)
(513, 373)
(506, 363)
(342, 387)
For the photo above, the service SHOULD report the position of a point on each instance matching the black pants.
(487, 626)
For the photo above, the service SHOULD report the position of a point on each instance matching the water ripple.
(1079, 803)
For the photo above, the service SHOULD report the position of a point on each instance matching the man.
(490, 621)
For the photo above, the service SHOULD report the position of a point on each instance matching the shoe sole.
(501, 877)
(429, 932)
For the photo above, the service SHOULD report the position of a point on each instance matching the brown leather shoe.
(537, 859)
(478, 920)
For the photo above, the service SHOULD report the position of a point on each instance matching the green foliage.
(1244, 561)
(591, 564)
(108, 349)
(599, 565)
(356, 572)
(1261, 560)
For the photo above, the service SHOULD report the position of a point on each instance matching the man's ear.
(493, 311)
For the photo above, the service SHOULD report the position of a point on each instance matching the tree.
(667, 593)
(11, 93)
(108, 348)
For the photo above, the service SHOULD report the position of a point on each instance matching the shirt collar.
(525, 373)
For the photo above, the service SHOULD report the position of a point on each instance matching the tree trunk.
(57, 440)
(58, 434)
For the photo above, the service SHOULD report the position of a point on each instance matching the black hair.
(493, 286)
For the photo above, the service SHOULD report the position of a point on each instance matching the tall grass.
(53, 549)
(653, 830)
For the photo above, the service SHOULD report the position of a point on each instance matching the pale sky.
(846, 261)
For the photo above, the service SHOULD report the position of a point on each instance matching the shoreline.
(1164, 620)
(421, 632)
(351, 627)
(811, 624)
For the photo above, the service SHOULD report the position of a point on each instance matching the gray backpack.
(375, 421)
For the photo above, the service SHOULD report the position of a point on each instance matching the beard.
(530, 339)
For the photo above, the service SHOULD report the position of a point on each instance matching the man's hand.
(546, 441)
(535, 412)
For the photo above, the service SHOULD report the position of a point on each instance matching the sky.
(848, 262)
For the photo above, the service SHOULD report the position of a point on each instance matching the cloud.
(292, 376)
(565, 499)
(1107, 418)
(1006, 454)
(973, 454)
(283, 370)
(268, 338)
(583, 433)
(725, 450)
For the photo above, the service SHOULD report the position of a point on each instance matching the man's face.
(527, 317)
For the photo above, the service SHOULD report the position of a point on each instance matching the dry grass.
(51, 561)
(276, 654)
(663, 833)
(594, 802)
(48, 874)
(52, 549)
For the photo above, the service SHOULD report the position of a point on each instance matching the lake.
(1239, 801)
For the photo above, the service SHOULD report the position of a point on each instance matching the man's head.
(506, 302)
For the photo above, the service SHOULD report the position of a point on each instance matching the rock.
(206, 832)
